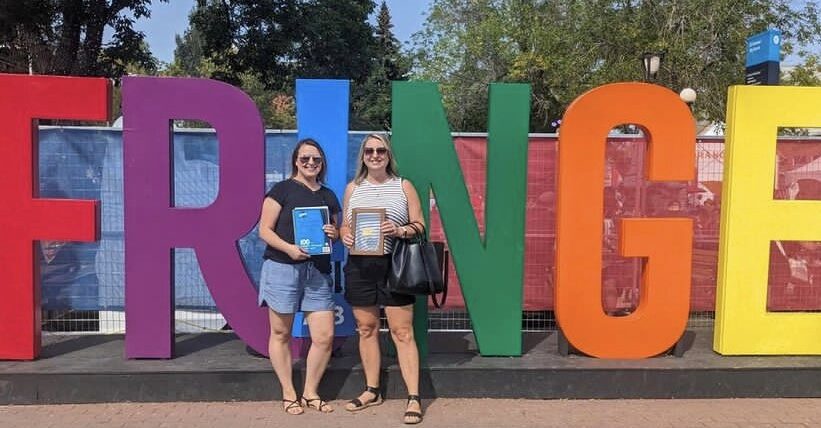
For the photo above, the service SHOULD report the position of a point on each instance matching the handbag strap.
(406, 255)
(445, 276)
(422, 238)
(431, 285)
(420, 233)
(438, 305)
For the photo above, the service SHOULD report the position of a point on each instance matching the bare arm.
(414, 209)
(270, 214)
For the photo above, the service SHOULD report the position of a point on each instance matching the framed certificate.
(366, 224)
(308, 233)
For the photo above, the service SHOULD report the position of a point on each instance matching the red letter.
(25, 217)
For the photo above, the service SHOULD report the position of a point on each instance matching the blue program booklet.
(308, 233)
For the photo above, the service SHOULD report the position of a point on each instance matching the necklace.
(378, 184)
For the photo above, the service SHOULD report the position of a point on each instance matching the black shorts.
(366, 282)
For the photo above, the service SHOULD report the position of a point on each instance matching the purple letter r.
(153, 226)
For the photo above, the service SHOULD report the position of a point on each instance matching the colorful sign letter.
(490, 270)
(661, 316)
(25, 217)
(322, 114)
(751, 219)
(153, 226)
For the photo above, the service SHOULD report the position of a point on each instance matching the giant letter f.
(25, 217)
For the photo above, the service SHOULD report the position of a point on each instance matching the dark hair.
(309, 142)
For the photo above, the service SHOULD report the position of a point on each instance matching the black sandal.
(359, 405)
(413, 413)
(292, 404)
(306, 402)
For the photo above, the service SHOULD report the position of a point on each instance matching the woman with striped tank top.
(377, 184)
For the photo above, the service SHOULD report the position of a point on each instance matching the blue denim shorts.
(288, 288)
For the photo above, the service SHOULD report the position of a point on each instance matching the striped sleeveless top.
(388, 195)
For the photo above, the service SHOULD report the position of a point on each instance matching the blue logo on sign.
(764, 47)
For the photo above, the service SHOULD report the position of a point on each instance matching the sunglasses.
(305, 159)
(381, 151)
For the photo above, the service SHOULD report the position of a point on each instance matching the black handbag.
(415, 267)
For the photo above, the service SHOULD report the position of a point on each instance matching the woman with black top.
(292, 280)
(377, 184)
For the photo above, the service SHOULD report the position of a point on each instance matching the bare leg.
(280, 356)
(367, 323)
(321, 325)
(400, 320)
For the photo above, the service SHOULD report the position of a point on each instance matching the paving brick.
(477, 413)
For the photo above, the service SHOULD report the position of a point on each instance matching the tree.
(66, 37)
(280, 40)
(807, 73)
(276, 109)
(565, 47)
(372, 99)
(188, 54)
(273, 42)
(462, 46)
(335, 40)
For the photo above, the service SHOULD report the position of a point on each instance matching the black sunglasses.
(305, 159)
(369, 151)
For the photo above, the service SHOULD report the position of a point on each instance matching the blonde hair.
(362, 169)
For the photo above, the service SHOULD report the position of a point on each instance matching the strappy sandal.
(293, 404)
(320, 406)
(358, 405)
(413, 413)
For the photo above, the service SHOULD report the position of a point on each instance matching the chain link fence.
(83, 283)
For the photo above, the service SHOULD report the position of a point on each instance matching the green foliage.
(66, 37)
(247, 36)
(565, 47)
(264, 46)
(807, 73)
(335, 40)
(190, 61)
(279, 40)
(372, 99)
(188, 57)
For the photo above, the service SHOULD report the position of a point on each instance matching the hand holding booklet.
(308, 232)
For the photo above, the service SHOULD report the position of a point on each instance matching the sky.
(170, 19)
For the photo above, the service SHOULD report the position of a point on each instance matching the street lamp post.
(651, 62)
(688, 95)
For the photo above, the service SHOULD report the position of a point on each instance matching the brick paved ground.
(473, 413)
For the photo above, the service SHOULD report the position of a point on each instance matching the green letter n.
(490, 270)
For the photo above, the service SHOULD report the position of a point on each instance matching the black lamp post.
(651, 62)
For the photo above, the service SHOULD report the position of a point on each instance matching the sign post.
(763, 56)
